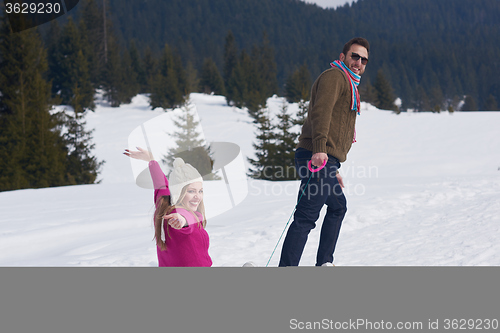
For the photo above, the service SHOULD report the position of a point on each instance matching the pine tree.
(52, 39)
(455, 102)
(252, 78)
(188, 136)
(300, 118)
(192, 80)
(113, 84)
(119, 80)
(120, 83)
(254, 99)
(367, 93)
(298, 85)
(491, 104)
(189, 144)
(150, 66)
(285, 145)
(260, 73)
(82, 167)
(32, 153)
(238, 82)
(230, 64)
(470, 104)
(180, 72)
(437, 99)
(137, 68)
(166, 89)
(267, 68)
(131, 77)
(70, 73)
(264, 166)
(94, 30)
(211, 80)
(384, 91)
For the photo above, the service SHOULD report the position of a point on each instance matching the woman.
(182, 241)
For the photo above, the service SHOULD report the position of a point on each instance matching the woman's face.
(194, 195)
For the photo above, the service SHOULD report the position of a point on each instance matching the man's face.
(356, 66)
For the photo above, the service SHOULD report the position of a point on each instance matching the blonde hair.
(164, 207)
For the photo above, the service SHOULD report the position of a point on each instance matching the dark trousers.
(323, 189)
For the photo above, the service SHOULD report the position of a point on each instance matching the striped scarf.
(353, 80)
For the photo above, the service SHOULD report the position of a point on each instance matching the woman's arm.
(188, 216)
(181, 220)
(176, 220)
(160, 181)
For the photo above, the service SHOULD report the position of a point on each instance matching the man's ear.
(342, 57)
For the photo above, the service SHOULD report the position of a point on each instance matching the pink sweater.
(186, 247)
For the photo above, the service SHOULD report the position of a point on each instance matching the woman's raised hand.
(139, 154)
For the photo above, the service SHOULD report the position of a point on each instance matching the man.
(327, 135)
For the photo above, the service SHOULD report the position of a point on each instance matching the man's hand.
(318, 159)
(341, 181)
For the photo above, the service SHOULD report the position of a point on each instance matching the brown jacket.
(329, 126)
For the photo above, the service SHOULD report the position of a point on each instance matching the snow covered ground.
(423, 189)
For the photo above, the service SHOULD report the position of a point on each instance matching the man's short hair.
(357, 40)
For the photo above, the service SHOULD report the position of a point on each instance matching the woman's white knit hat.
(182, 174)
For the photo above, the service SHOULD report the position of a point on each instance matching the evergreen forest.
(432, 54)
(430, 51)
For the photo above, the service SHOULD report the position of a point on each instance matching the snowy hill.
(422, 189)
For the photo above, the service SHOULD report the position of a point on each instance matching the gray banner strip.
(248, 299)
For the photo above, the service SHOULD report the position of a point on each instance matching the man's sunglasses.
(356, 57)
